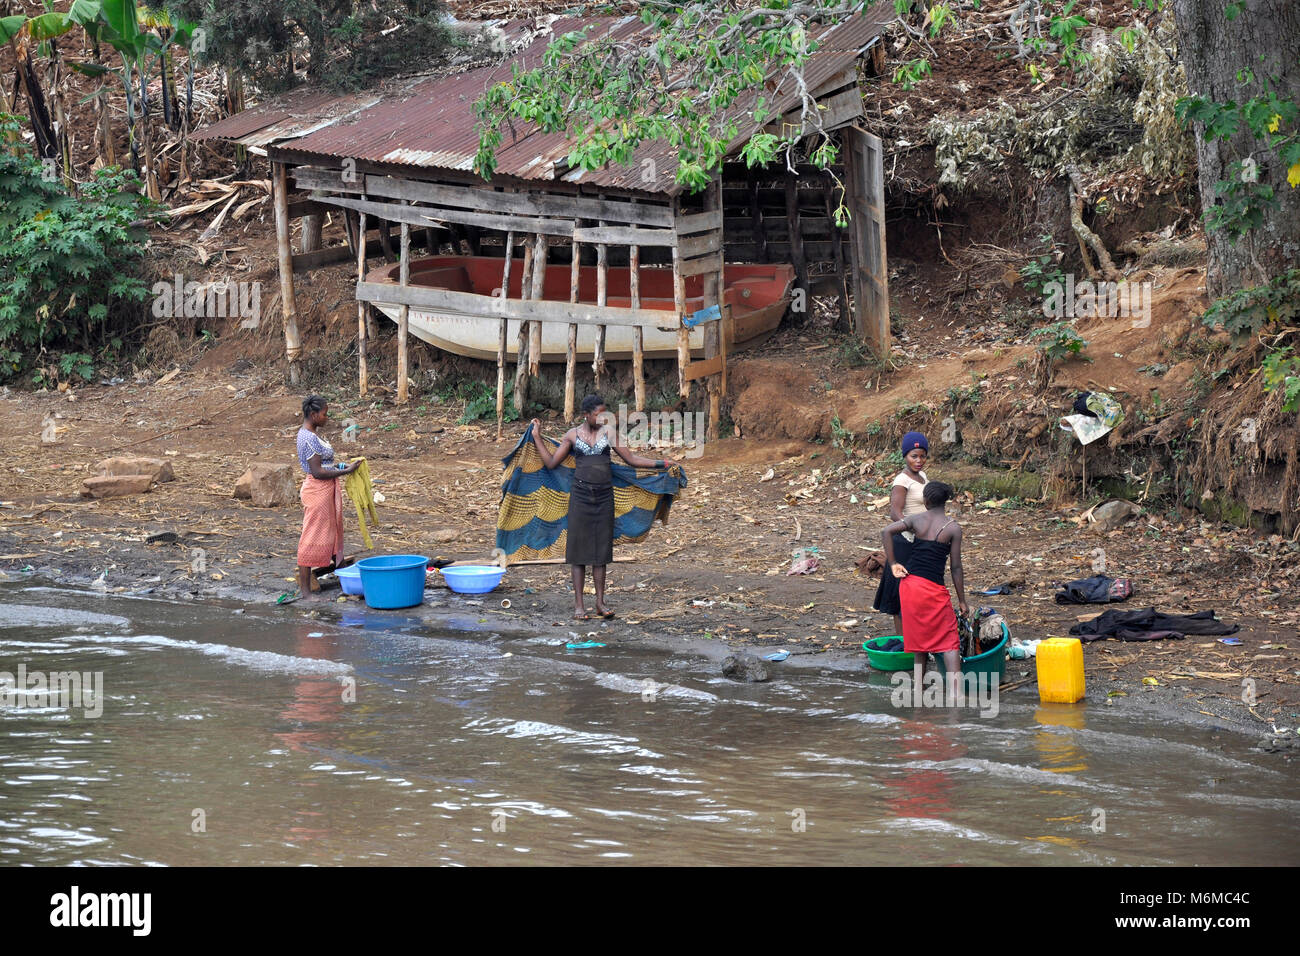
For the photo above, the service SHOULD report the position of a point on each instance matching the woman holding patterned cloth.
(590, 526)
(321, 543)
(904, 500)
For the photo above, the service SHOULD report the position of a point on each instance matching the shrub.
(70, 263)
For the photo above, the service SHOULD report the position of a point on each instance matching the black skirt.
(887, 601)
(591, 524)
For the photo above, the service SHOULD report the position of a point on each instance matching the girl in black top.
(929, 624)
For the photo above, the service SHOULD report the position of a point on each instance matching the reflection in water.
(451, 732)
(1059, 752)
(313, 712)
(925, 791)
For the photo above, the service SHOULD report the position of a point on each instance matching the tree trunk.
(1264, 38)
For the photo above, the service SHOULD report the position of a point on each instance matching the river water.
(266, 738)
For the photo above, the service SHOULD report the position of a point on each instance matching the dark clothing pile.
(893, 644)
(1097, 589)
(1148, 624)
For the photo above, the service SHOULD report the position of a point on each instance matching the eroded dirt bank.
(714, 579)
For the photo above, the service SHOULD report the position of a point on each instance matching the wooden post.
(796, 234)
(362, 307)
(602, 300)
(288, 307)
(382, 226)
(638, 340)
(756, 218)
(403, 314)
(837, 255)
(571, 356)
(521, 350)
(501, 341)
(679, 305)
(713, 294)
(312, 224)
(539, 284)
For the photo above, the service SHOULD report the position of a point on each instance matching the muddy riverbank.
(711, 581)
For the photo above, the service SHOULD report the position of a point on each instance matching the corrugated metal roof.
(430, 122)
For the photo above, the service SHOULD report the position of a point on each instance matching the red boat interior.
(748, 286)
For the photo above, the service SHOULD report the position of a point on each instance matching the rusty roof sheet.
(429, 121)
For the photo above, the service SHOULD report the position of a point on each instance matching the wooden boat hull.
(758, 295)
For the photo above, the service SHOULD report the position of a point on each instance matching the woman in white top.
(905, 499)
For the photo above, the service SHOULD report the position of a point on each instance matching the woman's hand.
(965, 611)
(669, 463)
(900, 572)
(536, 426)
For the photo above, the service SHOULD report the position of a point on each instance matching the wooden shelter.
(404, 157)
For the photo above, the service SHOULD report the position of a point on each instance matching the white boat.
(758, 295)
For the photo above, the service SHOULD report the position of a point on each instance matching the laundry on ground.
(1148, 624)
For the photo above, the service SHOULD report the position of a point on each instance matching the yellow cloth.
(357, 487)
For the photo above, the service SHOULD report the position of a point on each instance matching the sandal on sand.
(288, 597)
(607, 615)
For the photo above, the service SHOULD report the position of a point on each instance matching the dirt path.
(714, 578)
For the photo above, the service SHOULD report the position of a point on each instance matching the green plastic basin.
(888, 660)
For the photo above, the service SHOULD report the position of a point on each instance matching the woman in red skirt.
(929, 624)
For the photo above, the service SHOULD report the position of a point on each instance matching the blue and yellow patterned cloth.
(533, 520)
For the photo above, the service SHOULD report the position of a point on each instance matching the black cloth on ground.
(1094, 590)
(1148, 624)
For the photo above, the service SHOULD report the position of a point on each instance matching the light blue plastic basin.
(473, 578)
(392, 581)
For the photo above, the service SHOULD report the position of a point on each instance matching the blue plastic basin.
(350, 578)
(473, 578)
(392, 581)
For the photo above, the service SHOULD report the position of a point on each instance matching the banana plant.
(118, 25)
(37, 35)
(87, 14)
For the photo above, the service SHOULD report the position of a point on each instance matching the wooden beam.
(638, 340)
(713, 286)
(756, 217)
(521, 350)
(312, 224)
(288, 306)
(501, 339)
(538, 294)
(307, 261)
(306, 207)
(699, 222)
(403, 316)
(837, 254)
(695, 267)
(625, 235)
(384, 230)
(571, 353)
(424, 215)
(679, 308)
(796, 236)
(362, 371)
(487, 307)
(700, 244)
(602, 298)
(484, 198)
(704, 368)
